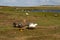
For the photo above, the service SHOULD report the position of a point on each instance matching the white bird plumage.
(32, 25)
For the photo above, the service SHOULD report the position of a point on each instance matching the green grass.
(48, 25)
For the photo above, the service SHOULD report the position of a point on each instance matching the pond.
(45, 10)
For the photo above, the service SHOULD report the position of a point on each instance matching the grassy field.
(48, 25)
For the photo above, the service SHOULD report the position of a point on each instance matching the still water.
(45, 10)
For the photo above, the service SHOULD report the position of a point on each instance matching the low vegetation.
(48, 25)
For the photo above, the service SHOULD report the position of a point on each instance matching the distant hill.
(35, 7)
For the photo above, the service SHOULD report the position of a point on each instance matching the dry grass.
(48, 26)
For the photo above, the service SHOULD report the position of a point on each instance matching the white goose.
(32, 25)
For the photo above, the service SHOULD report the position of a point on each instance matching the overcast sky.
(29, 2)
